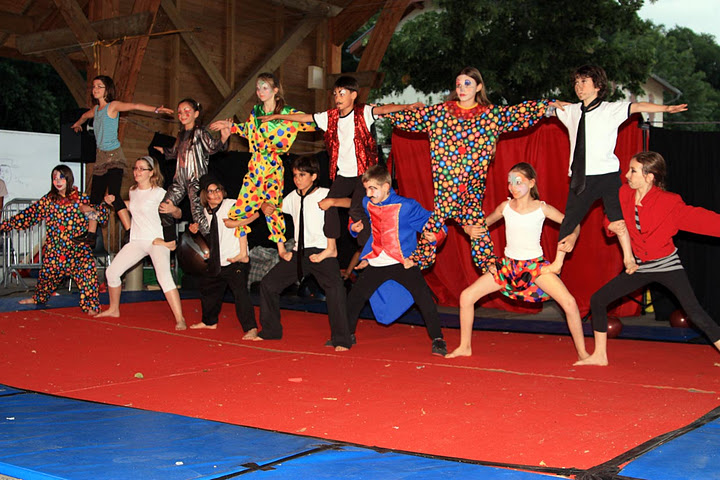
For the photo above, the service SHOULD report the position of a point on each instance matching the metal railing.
(22, 249)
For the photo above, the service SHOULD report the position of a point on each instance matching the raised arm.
(392, 108)
(117, 106)
(647, 107)
(288, 117)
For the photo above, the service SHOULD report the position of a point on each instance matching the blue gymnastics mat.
(693, 455)
(47, 437)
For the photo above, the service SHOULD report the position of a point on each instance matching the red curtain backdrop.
(596, 258)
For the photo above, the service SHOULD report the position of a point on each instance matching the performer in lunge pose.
(518, 274)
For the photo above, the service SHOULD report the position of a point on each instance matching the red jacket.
(662, 214)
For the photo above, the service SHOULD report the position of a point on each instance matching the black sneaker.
(439, 347)
(353, 341)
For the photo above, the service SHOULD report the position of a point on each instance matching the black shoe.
(353, 341)
(86, 238)
(439, 347)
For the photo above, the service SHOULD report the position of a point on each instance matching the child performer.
(223, 271)
(352, 151)
(145, 197)
(594, 169)
(60, 210)
(264, 181)
(192, 149)
(308, 219)
(463, 134)
(518, 275)
(659, 215)
(110, 161)
(394, 224)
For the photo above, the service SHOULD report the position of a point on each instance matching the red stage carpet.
(518, 400)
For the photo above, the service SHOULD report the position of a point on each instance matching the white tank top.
(522, 233)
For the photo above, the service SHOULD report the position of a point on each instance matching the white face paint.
(518, 184)
(264, 91)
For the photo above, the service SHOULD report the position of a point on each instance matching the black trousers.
(344, 187)
(675, 280)
(110, 181)
(372, 277)
(212, 291)
(597, 186)
(284, 274)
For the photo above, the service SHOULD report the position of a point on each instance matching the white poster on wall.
(26, 161)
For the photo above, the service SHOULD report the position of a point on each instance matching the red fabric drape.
(596, 258)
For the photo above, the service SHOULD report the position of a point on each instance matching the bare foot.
(250, 334)
(109, 313)
(257, 338)
(552, 268)
(327, 253)
(180, 325)
(630, 266)
(93, 313)
(198, 325)
(239, 258)
(341, 349)
(594, 359)
(460, 352)
(27, 301)
(169, 245)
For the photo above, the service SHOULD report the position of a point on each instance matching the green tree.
(32, 96)
(524, 49)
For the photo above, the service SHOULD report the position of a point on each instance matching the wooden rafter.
(246, 90)
(318, 7)
(198, 51)
(64, 39)
(70, 75)
(16, 24)
(353, 16)
(79, 24)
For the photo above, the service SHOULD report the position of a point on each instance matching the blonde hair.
(274, 83)
(156, 179)
(474, 73)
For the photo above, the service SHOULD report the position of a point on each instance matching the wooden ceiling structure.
(160, 51)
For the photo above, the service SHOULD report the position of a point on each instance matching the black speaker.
(76, 147)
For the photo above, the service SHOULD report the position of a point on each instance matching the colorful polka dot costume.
(61, 257)
(264, 179)
(462, 145)
(517, 279)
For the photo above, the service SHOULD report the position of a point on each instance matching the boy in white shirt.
(308, 220)
(594, 169)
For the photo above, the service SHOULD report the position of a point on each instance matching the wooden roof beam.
(16, 24)
(79, 25)
(318, 7)
(64, 39)
(74, 81)
(198, 51)
(246, 90)
(353, 16)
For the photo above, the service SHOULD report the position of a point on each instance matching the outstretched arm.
(289, 117)
(77, 126)
(392, 108)
(117, 106)
(647, 107)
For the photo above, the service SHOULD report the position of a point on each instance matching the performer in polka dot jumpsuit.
(263, 182)
(463, 136)
(61, 257)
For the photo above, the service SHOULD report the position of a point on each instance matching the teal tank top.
(106, 130)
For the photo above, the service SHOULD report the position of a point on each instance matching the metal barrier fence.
(22, 249)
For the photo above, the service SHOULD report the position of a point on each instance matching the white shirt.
(522, 233)
(143, 206)
(601, 126)
(347, 160)
(229, 243)
(314, 217)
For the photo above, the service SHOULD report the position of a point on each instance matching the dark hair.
(377, 173)
(279, 95)
(474, 73)
(307, 164)
(203, 193)
(347, 82)
(529, 172)
(653, 162)
(157, 179)
(109, 89)
(193, 103)
(596, 74)
(65, 171)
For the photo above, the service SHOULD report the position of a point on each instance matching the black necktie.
(301, 235)
(577, 181)
(214, 260)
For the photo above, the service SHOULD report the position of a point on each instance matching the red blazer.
(662, 214)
